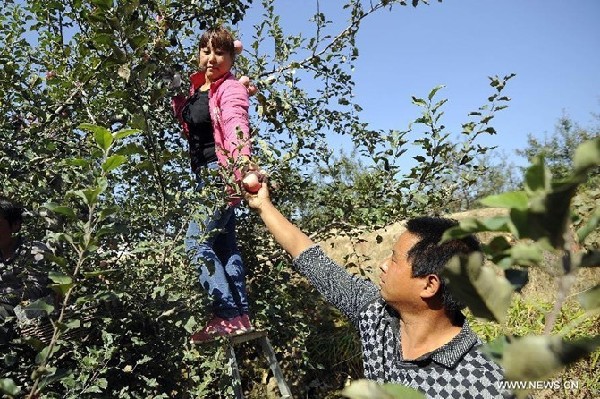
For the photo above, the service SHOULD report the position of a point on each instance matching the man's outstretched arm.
(346, 292)
(290, 237)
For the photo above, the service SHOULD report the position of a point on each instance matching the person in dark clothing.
(23, 274)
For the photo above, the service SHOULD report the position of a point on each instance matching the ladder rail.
(267, 349)
(235, 372)
(268, 352)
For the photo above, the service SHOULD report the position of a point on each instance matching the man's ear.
(432, 285)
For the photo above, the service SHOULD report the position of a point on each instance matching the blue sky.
(552, 45)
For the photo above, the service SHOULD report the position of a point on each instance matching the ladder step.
(245, 337)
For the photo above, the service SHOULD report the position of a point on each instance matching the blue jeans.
(212, 248)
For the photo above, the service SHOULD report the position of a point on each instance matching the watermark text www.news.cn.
(573, 385)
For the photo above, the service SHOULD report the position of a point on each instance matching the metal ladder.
(267, 350)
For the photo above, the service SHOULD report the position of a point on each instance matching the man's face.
(397, 283)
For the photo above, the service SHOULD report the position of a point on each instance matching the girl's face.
(214, 62)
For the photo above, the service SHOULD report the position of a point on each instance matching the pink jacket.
(228, 104)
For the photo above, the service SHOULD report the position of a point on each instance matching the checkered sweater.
(456, 370)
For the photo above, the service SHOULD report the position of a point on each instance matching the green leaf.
(102, 135)
(118, 56)
(419, 101)
(89, 196)
(487, 294)
(59, 260)
(77, 162)
(105, 230)
(51, 378)
(438, 105)
(121, 134)
(426, 119)
(60, 209)
(587, 156)
(138, 121)
(590, 299)
(60, 278)
(8, 387)
(108, 211)
(103, 39)
(367, 389)
(497, 224)
(103, 139)
(435, 90)
(96, 16)
(139, 40)
(72, 323)
(113, 162)
(39, 305)
(63, 282)
(103, 4)
(527, 254)
(468, 127)
(535, 358)
(512, 199)
(548, 215)
(190, 325)
(537, 176)
(93, 128)
(589, 226)
(61, 289)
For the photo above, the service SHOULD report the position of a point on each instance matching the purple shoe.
(246, 322)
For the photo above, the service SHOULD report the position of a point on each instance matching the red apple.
(252, 182)
(245, 80)
(238, 46)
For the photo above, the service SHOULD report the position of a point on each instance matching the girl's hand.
(252, 89)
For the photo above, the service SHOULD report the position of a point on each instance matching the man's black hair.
(429, 257)
(11, 211)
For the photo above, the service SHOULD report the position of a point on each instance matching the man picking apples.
(412, 331)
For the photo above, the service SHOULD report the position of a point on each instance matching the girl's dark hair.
(427, 256)
(11, 211)
(220, 38)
